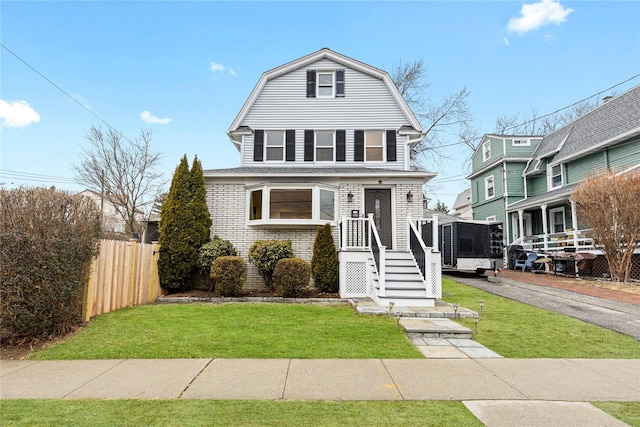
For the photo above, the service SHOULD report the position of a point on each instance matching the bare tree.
(535, 124)
(609, 203)
(448, 122)
(123, 169)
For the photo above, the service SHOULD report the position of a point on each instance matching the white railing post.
(409, 231)
(435, 238)
(383, 292)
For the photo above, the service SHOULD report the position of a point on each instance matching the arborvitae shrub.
(209, 252)
(324, 263)
(48, 240)
(198, 204)
(265, 254)
(229, 274)
(291, 276)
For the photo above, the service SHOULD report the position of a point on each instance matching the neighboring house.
(462, 205)
(496, 177)
(327, 139)
(111, 211)
(606, 138)
(528, 185)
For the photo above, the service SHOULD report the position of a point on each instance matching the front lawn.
(232, 413)
(260, 331)
(517, 330)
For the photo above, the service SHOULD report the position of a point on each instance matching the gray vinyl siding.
(367, 104)
(247, 154)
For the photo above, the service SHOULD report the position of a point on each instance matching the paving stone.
(458, 342)
(479, 352)
(441, 352)
(437, 341)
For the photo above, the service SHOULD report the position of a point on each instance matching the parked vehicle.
(472, 246)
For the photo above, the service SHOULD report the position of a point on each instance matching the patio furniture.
(526, 263)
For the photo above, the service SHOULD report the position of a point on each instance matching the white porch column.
(545, 236)
(520, 224)
(574, 223)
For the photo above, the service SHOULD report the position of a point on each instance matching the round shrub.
(265, 254)
(324, 263)
(229, 274)
(291, 276)
(209, 252)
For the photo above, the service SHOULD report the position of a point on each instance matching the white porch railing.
(361, 234)
(553, 242)
(427, 258)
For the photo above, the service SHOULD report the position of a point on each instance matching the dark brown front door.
(378, 202)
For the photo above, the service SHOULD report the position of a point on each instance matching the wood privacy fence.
(124, 274)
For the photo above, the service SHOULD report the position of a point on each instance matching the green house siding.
(515, 182)
(492, 208)
(579, 169)
(624, 155)
(536, 185)
(496, 153)
(521, 150)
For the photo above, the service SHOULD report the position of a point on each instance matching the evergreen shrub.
(209, 252)
(48, 240)
(265, 254)
(229, 274)
(291, 276)
(324, 262)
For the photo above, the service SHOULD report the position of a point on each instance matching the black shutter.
(308, 146)
(311, 83)
(258, 145)
(290, 154)
(391, 146)
(358, 149)
(339, 83)
(341, 149)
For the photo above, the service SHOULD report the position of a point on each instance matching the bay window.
(279, 204)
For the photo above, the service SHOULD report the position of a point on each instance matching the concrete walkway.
(498, 391)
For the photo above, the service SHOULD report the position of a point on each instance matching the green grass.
(629, 412)
(517, 330)
(262, 331)
(235, 413)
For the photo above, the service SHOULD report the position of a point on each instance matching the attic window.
(486, 151)
(325, 83)
(521, 143)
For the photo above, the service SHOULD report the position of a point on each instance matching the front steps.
(404, 285)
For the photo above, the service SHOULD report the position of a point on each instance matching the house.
(528, 184)
(496, 177)
(112, 219)
(327, 139)
(462, 205)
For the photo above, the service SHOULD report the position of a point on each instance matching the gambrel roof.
(236, 128)
(613, 121)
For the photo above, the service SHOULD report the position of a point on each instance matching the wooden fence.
(124, 274)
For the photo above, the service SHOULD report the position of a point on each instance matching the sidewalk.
(506, 391)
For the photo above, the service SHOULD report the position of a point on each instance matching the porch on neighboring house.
(410, 276)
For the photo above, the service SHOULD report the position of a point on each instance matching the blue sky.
(184, 69)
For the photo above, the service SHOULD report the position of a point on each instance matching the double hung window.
(555, 176)
(325, 143)
(274, 146)
(489, 188)
(374, 145)
(486, 151)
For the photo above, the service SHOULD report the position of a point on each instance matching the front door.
(378, 202)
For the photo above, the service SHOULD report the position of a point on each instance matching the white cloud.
(536, 15)
(150, 118)
(215, 67)
(17, 114)
(506, 41)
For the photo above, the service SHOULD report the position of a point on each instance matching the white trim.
(332, 85)
(490, 218)
(486, 187)
(522, 142)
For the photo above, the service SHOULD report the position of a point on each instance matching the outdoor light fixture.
(350, 197)
(481, 302)
(409, 197)
(398, 317)
(391, 304)
(476, 319)
(455, 309)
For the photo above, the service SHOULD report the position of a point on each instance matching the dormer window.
(521, 143)
(325, 83)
